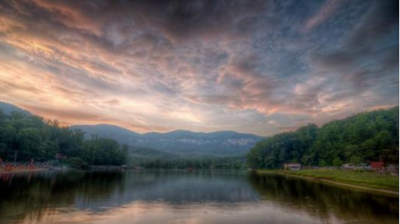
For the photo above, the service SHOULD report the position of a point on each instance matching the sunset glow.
(258, 67)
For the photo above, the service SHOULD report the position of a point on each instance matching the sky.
(261, 67)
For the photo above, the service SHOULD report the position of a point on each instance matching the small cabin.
(377, 165)
(292, 166)
(348, 166)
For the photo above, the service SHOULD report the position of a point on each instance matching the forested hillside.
(361, 138)
(151, 158)
(186, 144)
(24, 137)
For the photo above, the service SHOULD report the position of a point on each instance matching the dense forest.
(24, 137)
(236, 162)
(362, 138)
(156, 159)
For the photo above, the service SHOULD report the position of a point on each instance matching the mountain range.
(179, 143)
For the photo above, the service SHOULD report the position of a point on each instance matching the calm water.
(184, 198)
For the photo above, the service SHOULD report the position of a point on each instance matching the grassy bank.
(356, 178)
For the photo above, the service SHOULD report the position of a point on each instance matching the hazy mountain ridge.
(167, 145)
(221, 143)
(8, 108)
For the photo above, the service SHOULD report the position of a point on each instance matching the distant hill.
(8, 108)
(171, 145)
(141, 155)
(180, 142)
(120, 134)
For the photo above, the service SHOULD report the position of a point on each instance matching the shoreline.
(332, 182)
(22, 171)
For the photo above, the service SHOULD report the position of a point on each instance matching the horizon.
(211, 132)
(257, 67)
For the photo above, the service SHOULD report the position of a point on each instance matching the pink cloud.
(325, 12)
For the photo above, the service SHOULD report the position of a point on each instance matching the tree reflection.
(35, 196)
(31, 196)
(324, 200)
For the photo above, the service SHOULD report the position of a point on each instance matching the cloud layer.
(251, 66)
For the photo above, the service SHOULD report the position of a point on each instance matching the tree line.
(237, 162)
(362, 138)
(24, 137)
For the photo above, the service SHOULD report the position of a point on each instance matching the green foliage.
(337, 162)
(360, 138)
(24, 137)
(156, 159)
(104, 151)
(76, 162)
(237, 162)
(355, 160)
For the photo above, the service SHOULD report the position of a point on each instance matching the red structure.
(377, 165)
(8, 167)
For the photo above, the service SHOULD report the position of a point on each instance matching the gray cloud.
(186, 64)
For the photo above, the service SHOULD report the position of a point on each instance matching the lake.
(180, 197)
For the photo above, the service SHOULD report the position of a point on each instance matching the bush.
(337, 162)
(77, 163)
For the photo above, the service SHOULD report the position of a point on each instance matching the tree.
(24, 137)
(364, 137)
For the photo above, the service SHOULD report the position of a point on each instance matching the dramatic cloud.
(252, 66)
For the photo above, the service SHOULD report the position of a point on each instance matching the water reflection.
(181, 197)
(324, 200)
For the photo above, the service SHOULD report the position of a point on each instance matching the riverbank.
(21, 170)
(369, 181)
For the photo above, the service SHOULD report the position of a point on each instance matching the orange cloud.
(224, 65)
